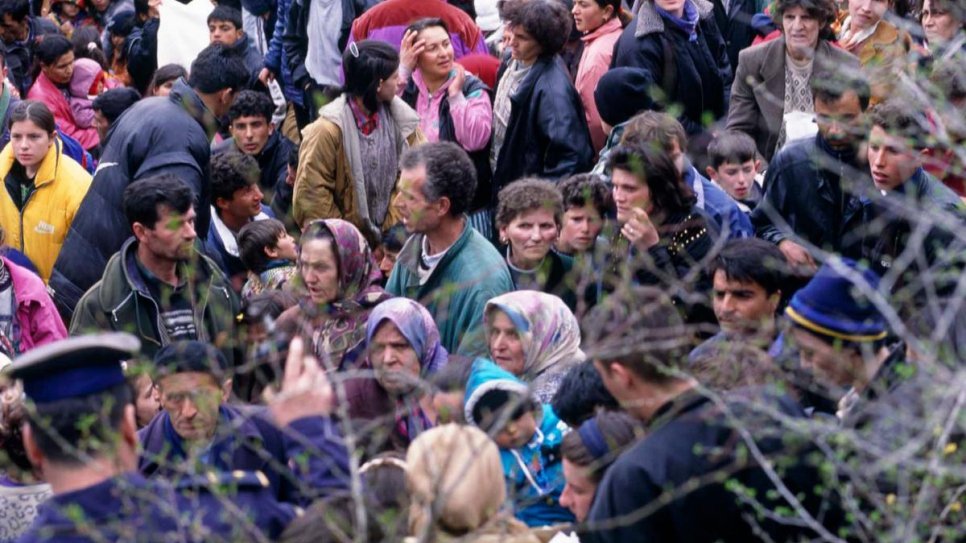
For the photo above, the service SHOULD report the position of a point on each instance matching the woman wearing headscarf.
(338, 283)
(403, 351)
(534, 336)
(454, 474)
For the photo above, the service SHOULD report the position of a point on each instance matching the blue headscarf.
(416, 325)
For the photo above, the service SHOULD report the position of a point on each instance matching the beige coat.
(329, 182)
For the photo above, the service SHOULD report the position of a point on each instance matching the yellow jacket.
(40, 228)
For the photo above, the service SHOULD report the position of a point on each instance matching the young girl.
(86, 83)
(44, 187)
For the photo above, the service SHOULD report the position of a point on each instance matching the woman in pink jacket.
(56, 58)
(601, 23)
(28, 317)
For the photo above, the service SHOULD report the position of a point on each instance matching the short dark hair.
(254, 238)
(654, 167)
(581, 395)
(449, 173)
(427, 22)
(67, 431)
(35, 112)
(731, 147)
(639, 328)
(753, 260)
(366, 64)
(394, 238)
(86, 42)
(587, 189)
(249, 103)
(162, 75)
(227, 14)
(51, 48)
(217, 68)
(528, 194)
(112, 103)
(824, 11)
(18, 10)
(617, 429)
(497, 407)
(547, 21)
(831, 86)
(655, 127)
(143, 197)
(230, 172)
(900, 120)
(733, 365)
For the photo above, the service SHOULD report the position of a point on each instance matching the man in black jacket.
(811, 186)
(706, 469)
(21, 33)
(163, 135)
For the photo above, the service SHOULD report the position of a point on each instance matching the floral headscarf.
(342, 330)
(547, 328)
(416, 325)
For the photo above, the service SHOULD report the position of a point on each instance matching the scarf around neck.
(688, 23)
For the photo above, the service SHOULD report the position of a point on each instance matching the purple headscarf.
(416, 325)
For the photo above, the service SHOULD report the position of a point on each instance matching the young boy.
(734, 167)
(225, 27)
(268, 253)
(528, 434)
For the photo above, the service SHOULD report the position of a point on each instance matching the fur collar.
(649, 22)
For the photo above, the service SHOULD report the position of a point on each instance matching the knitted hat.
(832, 306)
(622, 93)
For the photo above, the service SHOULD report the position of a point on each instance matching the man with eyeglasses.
(197, 431)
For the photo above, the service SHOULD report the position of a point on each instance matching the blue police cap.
(74, 367)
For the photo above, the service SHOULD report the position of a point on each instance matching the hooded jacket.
(162, 135)
(35, 314)
(121, 301)
(330, 174)
(40, 228)
(534, 472)
(44, 90)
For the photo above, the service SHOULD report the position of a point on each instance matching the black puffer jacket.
(162, 135)
(695, 74)
(547, 133)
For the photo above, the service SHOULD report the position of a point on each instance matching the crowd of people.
(500, 270)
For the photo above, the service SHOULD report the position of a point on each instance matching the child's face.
(224, 32)
(517, 433)
(735, 179)
(286, 248)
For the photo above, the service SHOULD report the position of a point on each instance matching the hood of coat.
(86, 72)
(486, 376)
(186, 98)
(649, 21)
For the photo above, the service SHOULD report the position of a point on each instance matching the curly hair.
(248, 103)
(528, 194)
(653, 166)
(823, 10)
(231, 172)
(547, 21)
(587, 189)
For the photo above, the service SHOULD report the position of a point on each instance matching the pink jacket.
(43, 90)
(594, 63)
(38, 318)
(472, 115)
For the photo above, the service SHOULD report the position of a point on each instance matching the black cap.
(622, 93)
(191, 355)
(74, 367)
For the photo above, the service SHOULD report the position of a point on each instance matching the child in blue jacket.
(529, 436)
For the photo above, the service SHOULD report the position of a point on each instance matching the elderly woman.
(338, 283)
(535, 337)
(882, 48)
(772, 85)
(538, 122)
(403, 351)
(528, 218)
(454, 475)
(944, 25)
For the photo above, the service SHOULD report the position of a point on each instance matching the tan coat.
(758, 92)
(884, 55)
(325, 185)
